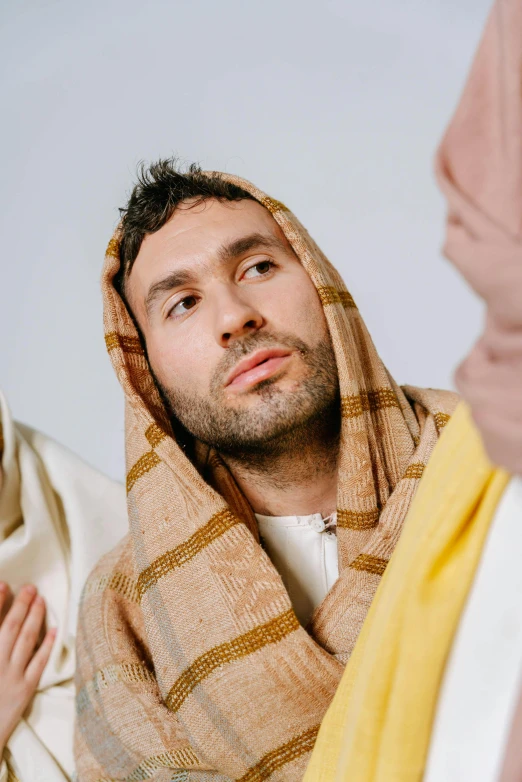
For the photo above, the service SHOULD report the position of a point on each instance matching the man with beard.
(270, 406)
(271, 463)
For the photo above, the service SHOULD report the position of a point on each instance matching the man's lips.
(256, 367)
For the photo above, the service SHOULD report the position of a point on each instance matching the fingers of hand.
(6, 597)
(14, 620)
(28, 635)
(36, 667)
(20, 665)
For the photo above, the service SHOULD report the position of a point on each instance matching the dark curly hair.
(160, 189)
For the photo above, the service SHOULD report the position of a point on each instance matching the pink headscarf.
(479, 168)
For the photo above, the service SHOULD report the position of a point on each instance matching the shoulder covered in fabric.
(113, 571)
(110, 621)
(114, 668)
(434, 400)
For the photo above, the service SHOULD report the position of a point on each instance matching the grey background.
(334, 107)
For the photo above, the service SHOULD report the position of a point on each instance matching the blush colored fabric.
(479, 169)
(190, 656)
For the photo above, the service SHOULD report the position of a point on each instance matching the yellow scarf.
(378, 726)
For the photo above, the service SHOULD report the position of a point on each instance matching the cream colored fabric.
(484, 671)
(188, 625)
(304, 552)
(57, 517)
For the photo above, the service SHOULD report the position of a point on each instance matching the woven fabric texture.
(191, 662)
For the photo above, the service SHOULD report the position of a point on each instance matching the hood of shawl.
(365, 384)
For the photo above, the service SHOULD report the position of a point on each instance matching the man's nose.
(235, 316)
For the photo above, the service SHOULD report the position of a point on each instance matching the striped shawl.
(191, 662)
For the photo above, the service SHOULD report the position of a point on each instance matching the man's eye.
(183, 306)
(259, 269)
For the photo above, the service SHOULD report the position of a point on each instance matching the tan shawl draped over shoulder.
(191, 662)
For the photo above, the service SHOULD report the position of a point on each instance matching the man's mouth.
(257, 367)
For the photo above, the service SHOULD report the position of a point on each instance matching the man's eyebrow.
(174, 280)
(253, 241)
(225, 253)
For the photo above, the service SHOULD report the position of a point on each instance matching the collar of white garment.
(314, 520)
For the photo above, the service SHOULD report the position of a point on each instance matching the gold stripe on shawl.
(273, 205)
(118, 582)
(154, 434)
(279, 757)
(126, 673)
(114, 340)
(357, 520)
(113, 248)
(216, 526)
(144, 464)
(330, 295)
(269, 633)
(369, 564)
(177, 761)
(415, 470)
(356, 405)
(441, 419)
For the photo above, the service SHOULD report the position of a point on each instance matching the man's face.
(235, 332)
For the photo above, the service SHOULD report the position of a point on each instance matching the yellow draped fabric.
(378, 726)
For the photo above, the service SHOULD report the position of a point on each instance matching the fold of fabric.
(378, 726)
(483, 674)
(479, 168)
(190, 657)
(57, 517)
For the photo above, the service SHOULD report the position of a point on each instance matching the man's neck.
(297, 477)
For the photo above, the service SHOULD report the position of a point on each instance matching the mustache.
(249, 344)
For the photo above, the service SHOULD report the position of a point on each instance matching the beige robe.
(57, 517)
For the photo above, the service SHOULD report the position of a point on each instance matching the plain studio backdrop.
(332, 106)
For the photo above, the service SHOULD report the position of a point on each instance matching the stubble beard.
(282, 420)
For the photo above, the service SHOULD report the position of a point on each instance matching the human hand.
(20, 665)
